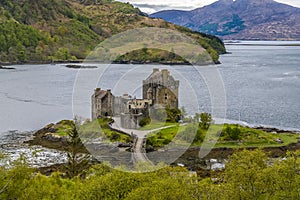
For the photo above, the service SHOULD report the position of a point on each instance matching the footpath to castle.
(138, 153)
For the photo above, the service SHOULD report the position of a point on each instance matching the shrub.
(232, 133)
(145, 121)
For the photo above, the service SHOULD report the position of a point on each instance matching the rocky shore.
(13, 145)
(46, 137)
(275, 130)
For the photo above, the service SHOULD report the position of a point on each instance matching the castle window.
(166, 96)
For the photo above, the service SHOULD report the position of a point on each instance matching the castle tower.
(161, 88)
(102, 103)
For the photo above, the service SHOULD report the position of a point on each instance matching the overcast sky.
(151, 6)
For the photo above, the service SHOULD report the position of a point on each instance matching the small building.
(160, 90)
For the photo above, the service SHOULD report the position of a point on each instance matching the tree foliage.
(77, 161)
(145, 121)
(33, 30)
(248, 175)
(205, 120)
(231, 133)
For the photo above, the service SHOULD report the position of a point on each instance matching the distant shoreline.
(114, 62)
(273, 45)
(262, 42)
(40, 62)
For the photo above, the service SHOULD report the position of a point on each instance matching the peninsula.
(68, 30)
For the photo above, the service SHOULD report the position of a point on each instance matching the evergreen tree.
(205, 120)
(77, 161)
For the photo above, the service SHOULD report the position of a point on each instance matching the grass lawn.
(157, 124)
(257, 138)
(162, 137)
(247, 137)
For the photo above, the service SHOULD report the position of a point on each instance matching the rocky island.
(122, 126)
(81, 67)
(8, 68)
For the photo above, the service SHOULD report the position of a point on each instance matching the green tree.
(205, 121)
(173, 114)
(62, 54)
(77, 161)
(244, 175)
(284, 177)
(232, 133)
(15, 178)
(200, 135)
(145, 121)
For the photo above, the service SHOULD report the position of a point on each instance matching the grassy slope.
(93, 130)
(68, 29)
(99, 128)
(249, 137)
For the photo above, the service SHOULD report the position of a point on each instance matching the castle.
(160, 90)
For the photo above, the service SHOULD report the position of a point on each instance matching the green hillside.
(32, 30)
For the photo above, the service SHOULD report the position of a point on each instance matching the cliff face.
(33, 30)
(241, 19)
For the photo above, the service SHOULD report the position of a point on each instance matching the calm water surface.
(262, 86)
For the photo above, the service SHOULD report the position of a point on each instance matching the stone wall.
(131, 121)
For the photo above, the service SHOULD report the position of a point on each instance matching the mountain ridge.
(240, 19)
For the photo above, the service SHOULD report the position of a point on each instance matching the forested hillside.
(32, 30)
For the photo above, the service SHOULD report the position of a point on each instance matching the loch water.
(260, 82)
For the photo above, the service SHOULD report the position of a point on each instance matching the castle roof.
(158, 76)
(100, 93)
